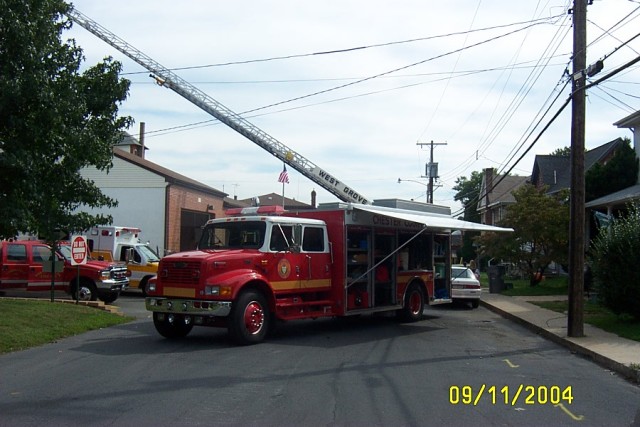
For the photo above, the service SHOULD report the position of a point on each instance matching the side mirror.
(128, 255)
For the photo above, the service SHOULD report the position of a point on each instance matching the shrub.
(613, 258)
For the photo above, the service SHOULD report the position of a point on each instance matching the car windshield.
(233, 235)
(148, 253)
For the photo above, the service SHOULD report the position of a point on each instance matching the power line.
(352, 49)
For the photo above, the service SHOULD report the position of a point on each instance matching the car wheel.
(475, 303)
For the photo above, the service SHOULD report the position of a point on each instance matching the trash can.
(496, 278)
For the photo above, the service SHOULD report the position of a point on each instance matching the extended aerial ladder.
(169, 79)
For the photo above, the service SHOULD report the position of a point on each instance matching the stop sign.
(79, 250)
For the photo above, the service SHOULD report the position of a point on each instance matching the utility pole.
(431, 170)
(575, 326)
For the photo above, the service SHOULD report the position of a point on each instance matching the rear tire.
(413, 304)
(172, 326)
(250, 319)
(475, 303)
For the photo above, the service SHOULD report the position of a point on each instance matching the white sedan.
(464, 286)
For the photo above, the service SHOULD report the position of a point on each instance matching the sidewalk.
(609, 350)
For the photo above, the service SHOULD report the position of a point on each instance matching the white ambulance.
(113, 243)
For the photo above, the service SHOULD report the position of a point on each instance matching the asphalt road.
(361, 372)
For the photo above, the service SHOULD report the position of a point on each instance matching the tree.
(541, 231)
(620, 172)
(562, 152)
(468, 193)
(54, 121)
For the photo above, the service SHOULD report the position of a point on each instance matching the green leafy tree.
(612, 258)
(54, 121)
(468, 194)
(562, 152)
(620, 172)
(541, 231)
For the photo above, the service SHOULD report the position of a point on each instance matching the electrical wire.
(352, 49)
(555, 116)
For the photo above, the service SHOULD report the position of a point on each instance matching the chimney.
(313, 199)
(141, 139)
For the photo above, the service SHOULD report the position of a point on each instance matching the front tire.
(172, 326)
(87, 292)
(250, 318)
(413, 304)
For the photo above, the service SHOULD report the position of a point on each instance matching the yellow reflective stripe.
(179, 292)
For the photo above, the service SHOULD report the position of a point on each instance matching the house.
(496, 195)
(168, 207)
(554, 171)
(273, 199)
(620, 199)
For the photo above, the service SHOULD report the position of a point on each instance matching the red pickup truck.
(21, 268)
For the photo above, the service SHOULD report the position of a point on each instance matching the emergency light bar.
(255, 210)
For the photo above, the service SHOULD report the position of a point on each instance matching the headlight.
(212, 290)
(151, 286)
(215, 290)
(105, 274)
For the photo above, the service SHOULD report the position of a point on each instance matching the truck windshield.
(148, 253)
(65, 251)
(233, 235)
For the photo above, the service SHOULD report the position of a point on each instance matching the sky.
(361, 88)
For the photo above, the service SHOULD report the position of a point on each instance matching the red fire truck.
(263, 264)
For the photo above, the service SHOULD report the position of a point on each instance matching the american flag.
(284, 176)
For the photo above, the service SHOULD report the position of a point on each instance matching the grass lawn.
(594, 313)
(549, 286)
(600, 317)
(25, 324)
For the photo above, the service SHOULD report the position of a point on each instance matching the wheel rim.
(84, 294)
(253, 317)
(415, 302)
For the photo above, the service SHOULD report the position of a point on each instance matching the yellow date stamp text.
(510, 395)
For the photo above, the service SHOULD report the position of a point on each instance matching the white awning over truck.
(432, 221)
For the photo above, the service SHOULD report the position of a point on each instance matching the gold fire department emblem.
(284, 268)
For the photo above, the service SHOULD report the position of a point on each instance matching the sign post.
(79, 256)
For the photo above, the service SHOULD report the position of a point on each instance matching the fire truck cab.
(262, 264)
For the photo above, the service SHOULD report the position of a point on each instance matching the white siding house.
(169, 208)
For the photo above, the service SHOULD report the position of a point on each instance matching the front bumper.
(111, 285)
(185, 306)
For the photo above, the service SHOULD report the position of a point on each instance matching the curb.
(626, 371)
